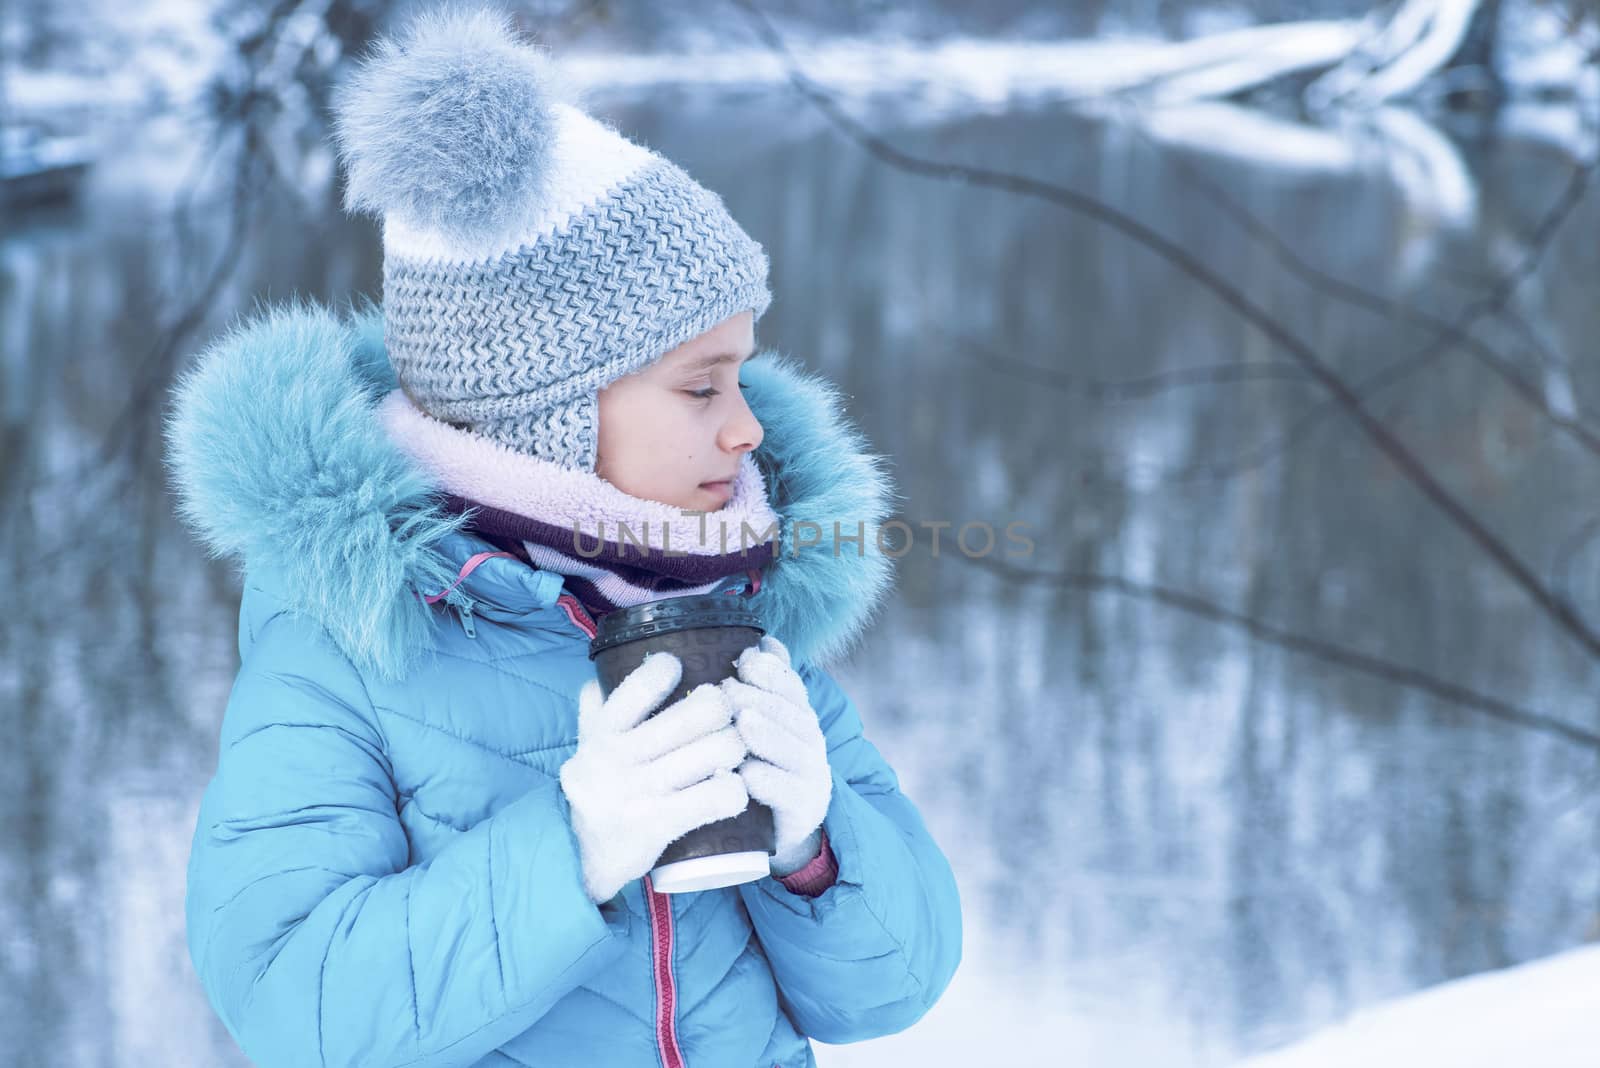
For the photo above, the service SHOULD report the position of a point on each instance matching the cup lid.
(670, 614)
(710, 873)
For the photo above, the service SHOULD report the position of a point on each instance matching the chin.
(694, 501)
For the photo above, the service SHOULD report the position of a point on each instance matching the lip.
(725, 486)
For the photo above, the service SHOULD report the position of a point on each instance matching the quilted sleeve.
(871, 954)
(315, 942)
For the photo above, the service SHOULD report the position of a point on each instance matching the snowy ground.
(1544, 1014)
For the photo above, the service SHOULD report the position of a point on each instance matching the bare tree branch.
(245, 105)
(1567, 551)
(1353, 659)
(1404, 460)
(1548, 358)
(1138, 388)
(1448, 332)
(155, 382)
(153, 375)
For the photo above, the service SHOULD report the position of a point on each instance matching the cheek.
(659, 434)
(683, 436)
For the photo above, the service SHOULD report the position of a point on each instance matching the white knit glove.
(638, 782)
(788, 765)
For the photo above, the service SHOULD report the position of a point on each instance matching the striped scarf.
(614, 549)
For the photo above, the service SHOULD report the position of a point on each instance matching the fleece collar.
(577, 511)
(279, 458)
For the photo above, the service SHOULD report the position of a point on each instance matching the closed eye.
(709, 391)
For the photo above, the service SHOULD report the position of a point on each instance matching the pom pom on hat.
(449, 125)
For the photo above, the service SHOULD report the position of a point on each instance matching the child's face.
(661, 442)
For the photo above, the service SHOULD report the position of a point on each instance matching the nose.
(742, 432)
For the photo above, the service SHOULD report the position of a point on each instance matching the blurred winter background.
(1275, 322)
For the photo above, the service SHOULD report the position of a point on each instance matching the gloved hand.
(635, 784)
(788, 765)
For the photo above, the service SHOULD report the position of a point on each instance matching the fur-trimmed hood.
(278, 458)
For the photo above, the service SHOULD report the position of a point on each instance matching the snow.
(1170, 89)
(1173, 88)
(1540, 52)
(1421, 38)
(35, 91)
(1230, 130)
(1225, 63)
(989, 1017)
(991, 71)
(138, 56)
(178, 47)
(1427, 167)
(1396, 144)
(1365, 65)
(1544, 1014)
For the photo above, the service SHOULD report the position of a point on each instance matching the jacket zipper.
(460, 601)
(661, 934)
(578, 614)
(666, 988)
(463, 606)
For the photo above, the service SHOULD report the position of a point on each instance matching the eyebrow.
(703, 362)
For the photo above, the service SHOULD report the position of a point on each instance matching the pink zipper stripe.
(576, 613)
(666, 990)
(466, 569)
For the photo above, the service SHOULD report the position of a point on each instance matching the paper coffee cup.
(706, 633)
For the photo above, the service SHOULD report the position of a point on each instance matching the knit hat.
(531, 254)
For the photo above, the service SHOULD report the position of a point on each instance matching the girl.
(428, 838)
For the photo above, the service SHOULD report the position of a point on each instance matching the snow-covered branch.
(1422, 38)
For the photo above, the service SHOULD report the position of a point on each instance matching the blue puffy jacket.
(383, 872)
